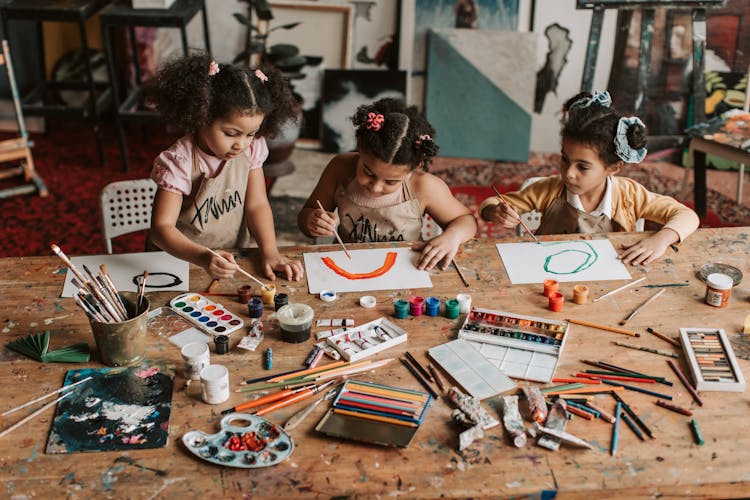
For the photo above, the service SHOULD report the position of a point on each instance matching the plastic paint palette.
(209, 316)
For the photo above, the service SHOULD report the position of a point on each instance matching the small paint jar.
(432, 306)
(195, 357)
(718, 289)
(556, 302)
(451, 308)
(255, 307)
(267, 293)
(580, 294)
(295, 321)
(400, 308)
(214, 384)
(327, 296)
(550, 287)
(279, 300)
(244, 293)
(416, 305)
(464, 302)
(221, 344)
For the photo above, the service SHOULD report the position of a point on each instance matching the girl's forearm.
(462, 228)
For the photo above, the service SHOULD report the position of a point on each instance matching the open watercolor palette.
(524, 347)
(375, 413)
(209, 316)
(711, 359)
(367, 339)
(257, 444)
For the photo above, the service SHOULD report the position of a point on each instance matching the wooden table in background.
(670, 464)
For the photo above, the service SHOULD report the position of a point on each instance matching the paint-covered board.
(118, 409)
(576, 260)
(369, 269)
(165, 273)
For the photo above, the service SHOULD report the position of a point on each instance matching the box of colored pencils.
(711, 359)
(375, 413)
(367, 339)
(525, 347)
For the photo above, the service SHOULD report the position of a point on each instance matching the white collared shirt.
(604, 207)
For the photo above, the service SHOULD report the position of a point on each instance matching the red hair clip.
(261, 76)
(374, 121)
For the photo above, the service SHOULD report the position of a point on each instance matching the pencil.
(460, 274)
(623, 287)
(603, 327)
(632, 425)
(633, 415)
(663, 337)
(335, 233)
(647, 349)
(637, 389)
(419, 367)
(642, 306)
(625, 374)
(616, 429)
(685, 382)
(420, 379)
(376, 418)
(242, 271)
(622, 378)
(520, 220)
(603, 414)
(308, 371)
(267, 377)
(674, 408)
(437, 378)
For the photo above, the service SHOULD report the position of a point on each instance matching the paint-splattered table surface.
(670, 464)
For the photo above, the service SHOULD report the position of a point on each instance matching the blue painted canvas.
(118, 409)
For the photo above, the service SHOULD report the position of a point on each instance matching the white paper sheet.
(576, 260)
(403, 274)
(163, 270)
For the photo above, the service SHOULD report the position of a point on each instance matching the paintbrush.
(108, 280)
(141, 292)
(518, 217)
(104, 290)
(623, 287)
(640, 307)
(335, 233)
(265, 287)
(460, 273)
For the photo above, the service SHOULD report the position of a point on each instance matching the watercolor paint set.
(524, 347)
(375, 413)
(369, 338)
(260, 443)
(211, 317)
(711, 359)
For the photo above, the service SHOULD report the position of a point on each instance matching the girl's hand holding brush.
(220, 264)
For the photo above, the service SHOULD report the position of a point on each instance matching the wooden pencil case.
(367, 339)
(711, 360)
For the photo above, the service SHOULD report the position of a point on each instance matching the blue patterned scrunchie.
(601, 98)
(622, 148)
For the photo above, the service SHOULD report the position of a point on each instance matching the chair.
(126, 208)
(20, 147)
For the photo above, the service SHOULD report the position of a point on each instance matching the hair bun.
(637, 136)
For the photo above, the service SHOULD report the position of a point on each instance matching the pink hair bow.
(423, 137)
(213, 68)
(374, 121)
(261, 76)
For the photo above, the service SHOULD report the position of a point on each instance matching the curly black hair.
(596, 126)
(188, 96)
(404, 137)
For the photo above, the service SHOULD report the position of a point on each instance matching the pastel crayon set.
(524, 347)
(375, 413)
(711, 360)
(207, 315)
(367, 339)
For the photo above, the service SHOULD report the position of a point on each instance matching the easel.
(20, 147)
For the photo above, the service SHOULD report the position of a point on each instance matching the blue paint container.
(255, 307)
(432, 306)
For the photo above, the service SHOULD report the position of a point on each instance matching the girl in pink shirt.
(211, 189)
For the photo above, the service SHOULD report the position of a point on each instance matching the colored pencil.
(603, 414)
(647, 349)
(460, 273)
(632, 425)
(624, 374)
(436, 376)
(345, 370)
(583, 408)
(264, 400)
(299, 373)
(34, 414)
(294, 398)
(418, 366)
(616, 290)
(696, 432)
(267, 377)
(403, 394)
(616, 429)
(665, 285)
(642, 306)
(577, 411)
(556, 388)
(600, 377)
(584, 390)
(518, 217)
(674, 408)
(575, 380)
(638, 389)
(242, 271)
(610, 366)
(419, 378)
(685, 382)
(335, 233)
(633, 414)
(663, 337)
(377, 418)
(603, 327)
(273, 385)
(40, 398)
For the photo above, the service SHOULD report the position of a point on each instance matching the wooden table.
(670, 464)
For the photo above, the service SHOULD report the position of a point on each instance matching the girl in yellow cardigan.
(587, 197)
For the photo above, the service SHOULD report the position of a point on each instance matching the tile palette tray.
(711, 360)
(209, 316)
(367, 339)
(524, 347)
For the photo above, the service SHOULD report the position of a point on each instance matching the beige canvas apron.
(400, 222)
(563, 218)
(213, 214)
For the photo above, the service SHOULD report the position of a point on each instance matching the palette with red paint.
(209, 316)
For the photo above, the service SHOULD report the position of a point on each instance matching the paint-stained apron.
(563, 218)
(213, 214)
(399, 222)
